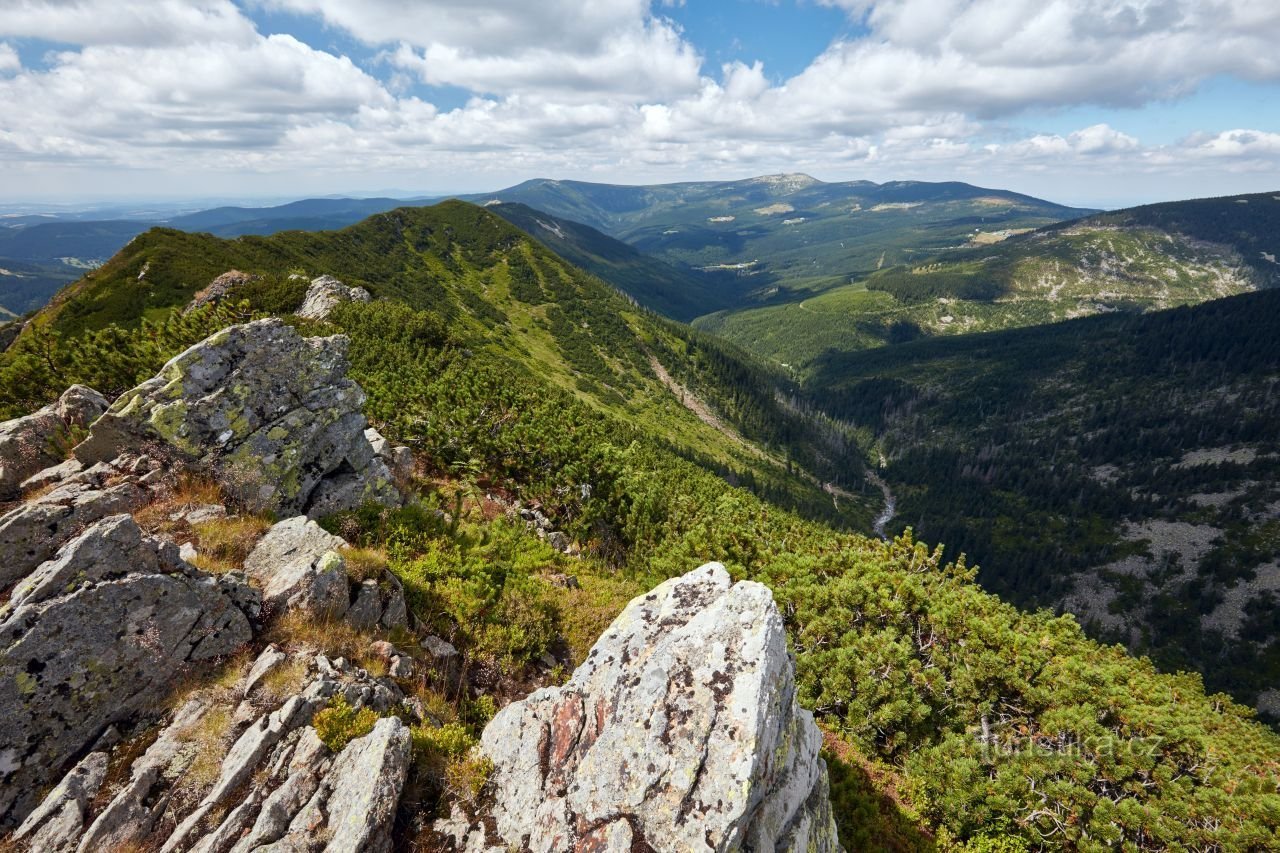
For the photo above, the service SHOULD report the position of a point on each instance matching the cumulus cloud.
(614, 88)
(503, 46)
(992, 58)
(126, 22)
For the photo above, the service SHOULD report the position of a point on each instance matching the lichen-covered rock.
(679, 732)
(298, 564)
(272, 414)
(55, 826)
(32, 443)
(92, 638)
(31, 533)
(325, 293)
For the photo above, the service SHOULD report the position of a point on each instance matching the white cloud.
(9, 60)
(571, 48)
(126, 22)
(613, 89)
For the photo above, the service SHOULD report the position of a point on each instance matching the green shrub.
(339, 724)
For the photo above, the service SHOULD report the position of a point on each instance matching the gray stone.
(51, 476)
(272, 414)
(56, 825)
(203, 513)
(92, 639)
(401, 667)
(326, 293)
(270, 659)
(135, 808)
(366, 610)
(298, 565)
(680, 732)
(445, 660)
(395, 611)
(31, 533)
(32, 443)
(352, 809)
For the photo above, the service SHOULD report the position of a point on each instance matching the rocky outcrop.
(268, 782)
(680, 732)
(298, 564)
(325, 293)
(41, 439)
(220, 288)
(92, 637)
(271, 413)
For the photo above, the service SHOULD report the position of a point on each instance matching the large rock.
(92, 638)
(32, 443)
(298, 564)
(271, 413)
(325, 293)
(680, 732)
(219, 289)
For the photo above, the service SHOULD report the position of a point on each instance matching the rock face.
(92, 637)
(325, 293)
(680, 732)
(271, 413)
(268, 782)
(31, 533)
(32, 443)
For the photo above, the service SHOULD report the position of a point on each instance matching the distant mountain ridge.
(1140, 259)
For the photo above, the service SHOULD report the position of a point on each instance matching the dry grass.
(224, 543)
(190, 490)
(285, 680)
(207, 737)
(297, 631)
(365, 564)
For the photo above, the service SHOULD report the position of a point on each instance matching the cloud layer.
(614, 89)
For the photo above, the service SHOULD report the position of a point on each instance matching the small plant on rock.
(339, 724)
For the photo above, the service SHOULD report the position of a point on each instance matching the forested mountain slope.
(673, 291)
(784, 237)
(491, 282)
(1125, 468)
(1143, 259)
(954, 721)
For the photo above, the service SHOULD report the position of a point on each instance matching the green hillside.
(509, 295)
(1143, 259)
(955, 721)
(670, 290)
(1125, 468)
(785, 236)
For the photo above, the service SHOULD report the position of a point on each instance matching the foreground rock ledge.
(680, 732)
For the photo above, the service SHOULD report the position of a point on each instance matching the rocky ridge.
(679, 732)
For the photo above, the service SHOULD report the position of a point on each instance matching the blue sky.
(1096, 102)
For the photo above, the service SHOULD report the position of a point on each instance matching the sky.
(1092, 102)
